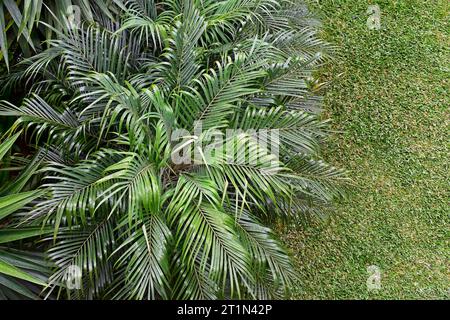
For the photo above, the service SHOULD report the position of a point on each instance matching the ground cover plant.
(388, 96)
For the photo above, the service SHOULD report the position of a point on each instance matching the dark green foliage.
(105, 100)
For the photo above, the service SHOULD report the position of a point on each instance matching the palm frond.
(88, 249)
(145, 260)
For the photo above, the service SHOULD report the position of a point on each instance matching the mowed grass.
(389, 97)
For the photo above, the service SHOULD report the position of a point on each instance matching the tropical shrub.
(155, 173)
(23, 23)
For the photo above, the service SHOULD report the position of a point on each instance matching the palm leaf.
(14, 202)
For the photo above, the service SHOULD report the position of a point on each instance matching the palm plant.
(114, 105)
(20, 20)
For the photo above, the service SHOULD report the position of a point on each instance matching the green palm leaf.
(11, 270)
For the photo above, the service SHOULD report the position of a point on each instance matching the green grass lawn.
(389, 96)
